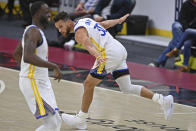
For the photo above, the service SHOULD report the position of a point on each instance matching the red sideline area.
(138, 71)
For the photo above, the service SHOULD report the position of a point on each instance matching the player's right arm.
(81, 36)
(31, 40)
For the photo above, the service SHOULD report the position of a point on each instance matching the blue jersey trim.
(47, 114)
(121, 70)
(31, 26)
(42, 116)
(118, 73)
(76, 23)
(79, 27)
(99, 74)
(39, 44)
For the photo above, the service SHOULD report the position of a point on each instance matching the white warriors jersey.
(99, 36)
(29, 70)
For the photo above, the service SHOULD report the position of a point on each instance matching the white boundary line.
(2, 86)
(101, 88)
(180, 113)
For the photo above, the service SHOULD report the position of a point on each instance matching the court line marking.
(2, 86)
(177, 113)
(101, 88)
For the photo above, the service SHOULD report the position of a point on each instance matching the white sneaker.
(168, 106)
(152, 64)
(69, 45)
(74, 121)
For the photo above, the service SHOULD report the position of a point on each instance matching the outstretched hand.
(100, 60)
(122, 19)
(57, 73)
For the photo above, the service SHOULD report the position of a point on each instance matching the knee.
(88, 85)
(188, 31)
(126, 90)
(187, 43)
(176, 26)
(132, 89)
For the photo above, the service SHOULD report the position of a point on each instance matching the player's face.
(45, 15)
(63, 27)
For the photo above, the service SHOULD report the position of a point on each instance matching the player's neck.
(34, 22)
(72, 27)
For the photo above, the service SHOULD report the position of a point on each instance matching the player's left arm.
(110, 23)
(18, 52)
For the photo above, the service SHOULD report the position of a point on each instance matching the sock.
(83, 115)
(158, 98)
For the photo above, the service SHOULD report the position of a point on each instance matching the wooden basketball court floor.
(110, 111)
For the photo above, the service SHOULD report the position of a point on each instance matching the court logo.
(2, 86)
(121, 127)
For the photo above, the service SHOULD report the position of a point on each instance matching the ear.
(37, 14)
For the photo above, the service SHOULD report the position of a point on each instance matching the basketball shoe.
(76, 121)
(167, 106)
(172, 53)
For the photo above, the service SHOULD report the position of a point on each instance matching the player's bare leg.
(166, 102)
(79, 121)
(89, 85)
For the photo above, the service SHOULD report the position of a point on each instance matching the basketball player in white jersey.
(110, 58)
(32, 53)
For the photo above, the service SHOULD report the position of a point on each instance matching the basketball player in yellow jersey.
(32, 53)
(110, 58)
